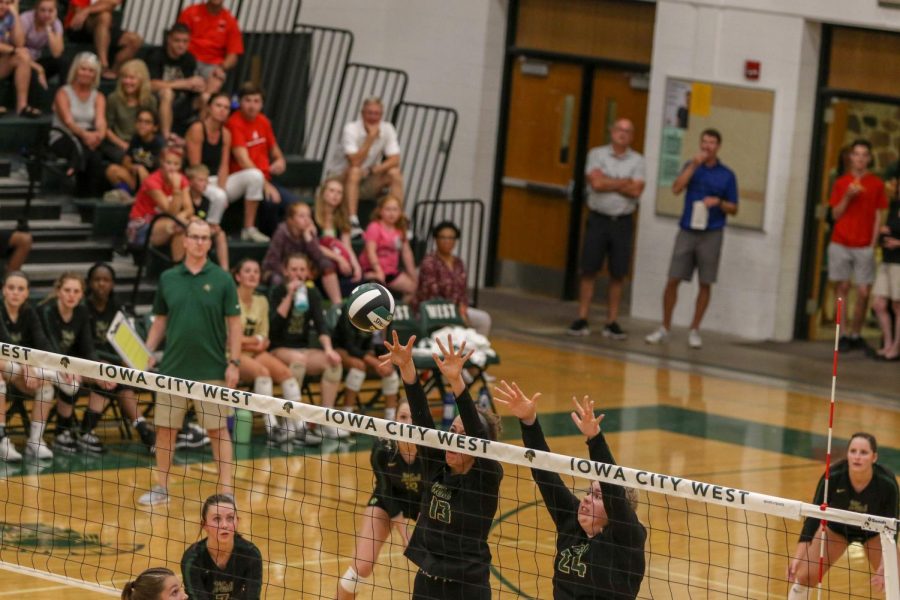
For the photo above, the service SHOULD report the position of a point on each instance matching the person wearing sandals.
(43, 33)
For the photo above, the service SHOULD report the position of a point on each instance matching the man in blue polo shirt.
(711, 196)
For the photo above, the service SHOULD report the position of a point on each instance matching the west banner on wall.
(744, 118)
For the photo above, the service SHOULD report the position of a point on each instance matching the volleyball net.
(76, 518)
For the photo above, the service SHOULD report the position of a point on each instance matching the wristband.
(235, 361)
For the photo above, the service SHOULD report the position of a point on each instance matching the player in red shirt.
(216, 40)
(92, 21)
(857, 200)
(253, 146)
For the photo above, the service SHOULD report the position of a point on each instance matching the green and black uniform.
(449, 543)
(294, 330)
(879, 498)
(26, 330)
(398, 484)
(73, 337)
(196, 307)
(241, 579)
(610, 564)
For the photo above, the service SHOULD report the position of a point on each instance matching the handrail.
(147, 249)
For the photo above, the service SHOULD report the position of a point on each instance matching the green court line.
(672, 419)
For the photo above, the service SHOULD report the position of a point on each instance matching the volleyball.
(370, 307)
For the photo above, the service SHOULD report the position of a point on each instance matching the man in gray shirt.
(615, 181)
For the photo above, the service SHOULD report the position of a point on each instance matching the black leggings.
(431, 588)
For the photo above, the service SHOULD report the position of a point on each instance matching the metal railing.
(146, 251)
(357, 83)
(426, 135)
(468, 216)
(329, 55)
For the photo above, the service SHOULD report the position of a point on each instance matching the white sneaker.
(694, 339)
(157, 495)
(308, 436)
(658, 336)
(8, 452)
(334, 433)
(356, 231)
(252, 234)
(38, 450)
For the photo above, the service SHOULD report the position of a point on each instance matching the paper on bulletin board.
(670, 160)
(701, 99)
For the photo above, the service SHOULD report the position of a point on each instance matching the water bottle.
(301, 299)
(235, 102)
(243, 426)
(449, 410)
(484, 398)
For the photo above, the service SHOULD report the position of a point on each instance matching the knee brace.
(67, 389)
(350, 580)
(262, 386)
(390, 385)
(298, 370)
(290, 390)
(354, 379)
(333, 374)
(44, 393)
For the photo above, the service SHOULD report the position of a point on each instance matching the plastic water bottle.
(301, 299)
(449, 410)
(243, 426)
(484, 398)
(235, 102)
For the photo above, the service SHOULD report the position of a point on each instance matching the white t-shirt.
(629, 165)
(353, 137)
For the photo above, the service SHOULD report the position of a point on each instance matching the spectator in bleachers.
(198, 178)
(102, 307)
(22, 326)
(67, 324)
(43, 33)
(132, 94)
(79, 111)
(14, 249)
(142, 155)
(174, 79)
(258, 364)
(12, 38)
(367, 158)
(295, 305)
(216, 40)
(298, 235)
(253, 146)
(166, 190)
(208, 142)
(443, 275)
(333, 222)
(387, 249)
(91, 21)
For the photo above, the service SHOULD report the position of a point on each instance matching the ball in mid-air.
(370, 307)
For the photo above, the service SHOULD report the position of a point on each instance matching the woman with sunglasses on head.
(600, 541)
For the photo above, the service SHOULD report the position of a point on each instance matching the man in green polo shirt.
(196, 310)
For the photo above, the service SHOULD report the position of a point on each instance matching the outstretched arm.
(451, 364)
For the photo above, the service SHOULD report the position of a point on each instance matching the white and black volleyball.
(370, 307)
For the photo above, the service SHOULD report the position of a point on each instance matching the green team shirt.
(196, 307)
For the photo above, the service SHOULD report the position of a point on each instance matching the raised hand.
(452, 362)
(520, 405)
(584, 418)
(400, 355)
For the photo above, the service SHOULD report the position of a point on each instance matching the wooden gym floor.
(79, 518)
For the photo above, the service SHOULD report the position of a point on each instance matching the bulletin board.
(744, 118)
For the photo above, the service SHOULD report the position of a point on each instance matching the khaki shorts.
(170, 409)
(887, 281)
(696, 251)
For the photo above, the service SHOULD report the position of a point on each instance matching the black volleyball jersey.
(74, 337)
(457, 510)
(26, 330)
(241, 579)
(609, 565)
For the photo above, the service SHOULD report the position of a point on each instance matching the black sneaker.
(147, 435)
(65, 442)
(844, 344)
(192, 437)
(858, 343)
(89, 442)
(613, 331)
(579, 327)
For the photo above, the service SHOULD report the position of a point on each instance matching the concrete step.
(44, 274)
(70, 251)
(123, 292)
(10, 210)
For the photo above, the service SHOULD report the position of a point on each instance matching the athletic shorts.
(606, 236)
(429, 587)
(846, 264)
(697, 250)
(83, 36)
(170, 410)
(395, 506)
(887, 281)
(853, 534)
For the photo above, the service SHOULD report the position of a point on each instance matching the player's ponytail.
(149, 585)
